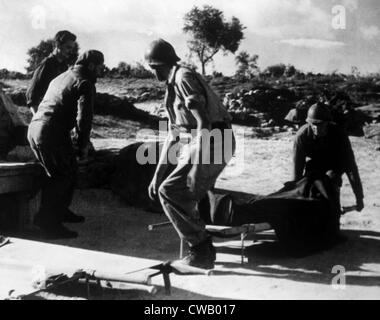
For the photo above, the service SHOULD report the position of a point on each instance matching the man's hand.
(153, 188)
(359, 204)
(192, 179)
(83, 155)
(290, 185)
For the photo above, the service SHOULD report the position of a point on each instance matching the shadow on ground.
(361, 248)
(112, 226)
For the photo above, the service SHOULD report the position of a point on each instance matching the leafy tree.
(6, 74)
(211, 33)
(43, 50)
(124, 69)
(247, 65)
(290, 70)
(276, 70)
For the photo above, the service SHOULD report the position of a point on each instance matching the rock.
(372, 131)
(371, 110)
(131, 179)
(13, 127)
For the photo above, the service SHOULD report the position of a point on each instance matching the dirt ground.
(261, 167)
(114, 227)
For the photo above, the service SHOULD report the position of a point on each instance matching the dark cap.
(90, 56)
(62, 36)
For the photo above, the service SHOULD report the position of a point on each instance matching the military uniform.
(49, 69)
(67, 104)
(331, 154)
(186, 90)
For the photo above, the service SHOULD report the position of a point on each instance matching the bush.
(125, 70)
(11, 75)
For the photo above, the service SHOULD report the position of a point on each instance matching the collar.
(55, 56)
(84, 72)
(171, 78)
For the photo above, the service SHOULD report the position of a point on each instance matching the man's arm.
(42, 77)
(163, 163)
(299, 159)
(352, 171)
(85, 114)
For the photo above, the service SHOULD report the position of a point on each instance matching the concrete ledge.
(18, 177)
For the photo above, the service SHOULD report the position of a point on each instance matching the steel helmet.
(318, 113)
(161, 52)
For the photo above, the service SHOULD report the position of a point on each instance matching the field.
(112, 226)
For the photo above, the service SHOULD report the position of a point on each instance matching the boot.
(71, 217)
(201, 256)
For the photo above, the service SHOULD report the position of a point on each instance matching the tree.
(211, 33)
(247, 65)
(124, 69)
(290, 70)
(276, 70)
(43, 50)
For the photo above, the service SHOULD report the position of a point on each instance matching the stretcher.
(223, 232)
(29, 268)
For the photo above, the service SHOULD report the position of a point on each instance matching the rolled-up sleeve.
(191, 91)
(86, 102)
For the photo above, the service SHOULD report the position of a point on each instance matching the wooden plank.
(236, 230)
(62, 257)
(17, 168)
(21, 258)
(17, 177)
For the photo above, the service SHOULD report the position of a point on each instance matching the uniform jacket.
(49, 69)
(332, 152)
(69, 103)
(187, 89)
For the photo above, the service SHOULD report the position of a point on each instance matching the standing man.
(330, 153)
(68, 103)
(193, 108)
(55, 64)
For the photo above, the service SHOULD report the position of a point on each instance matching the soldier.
(68, 103)
(55, 64)
(329, 151)
(193, 108)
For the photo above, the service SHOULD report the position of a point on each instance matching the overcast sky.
(299, 32)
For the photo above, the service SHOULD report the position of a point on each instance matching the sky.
(313, 35)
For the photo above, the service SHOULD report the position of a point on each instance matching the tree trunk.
(203, 68)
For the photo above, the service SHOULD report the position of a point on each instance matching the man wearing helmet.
(68, 103)
(329, 151)
(193, 108)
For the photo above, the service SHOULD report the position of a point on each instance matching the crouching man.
(329, 152)
(192, 108)
(67, 104)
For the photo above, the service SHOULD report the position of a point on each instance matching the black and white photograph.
(203, 151)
